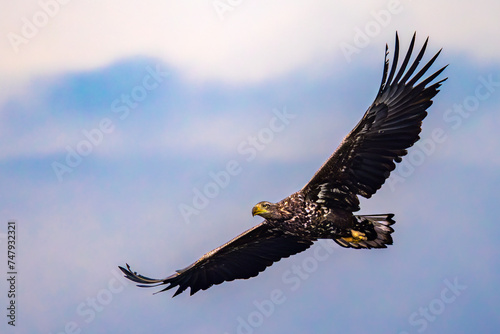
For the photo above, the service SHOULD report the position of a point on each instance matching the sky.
(145, 133)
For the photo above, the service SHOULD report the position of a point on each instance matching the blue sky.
(115, 117)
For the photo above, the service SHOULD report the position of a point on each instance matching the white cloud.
(256, 40)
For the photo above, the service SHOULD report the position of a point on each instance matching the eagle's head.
(269, 210)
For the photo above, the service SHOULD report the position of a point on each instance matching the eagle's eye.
(266, 205)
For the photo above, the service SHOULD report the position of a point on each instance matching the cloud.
(55, 112)
(253, 41)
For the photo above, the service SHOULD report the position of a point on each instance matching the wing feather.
(243, 257)
(391, 125)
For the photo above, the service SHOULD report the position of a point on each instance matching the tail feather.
(369, 231)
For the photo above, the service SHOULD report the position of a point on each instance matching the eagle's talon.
(357, 236)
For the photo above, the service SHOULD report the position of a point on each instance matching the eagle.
(323, 208)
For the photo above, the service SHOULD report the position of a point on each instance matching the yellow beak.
(258, 209)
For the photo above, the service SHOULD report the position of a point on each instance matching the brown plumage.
(324, 207)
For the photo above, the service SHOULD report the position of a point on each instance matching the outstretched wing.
(243, 257)
(367, 155)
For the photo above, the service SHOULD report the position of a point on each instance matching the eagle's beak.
(258, 209)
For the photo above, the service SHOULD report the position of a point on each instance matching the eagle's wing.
(367, 155)
(243, 257)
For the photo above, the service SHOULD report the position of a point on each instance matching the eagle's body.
(324, 208)
(299, 216)
(306, 219)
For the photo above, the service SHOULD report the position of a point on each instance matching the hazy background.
(171, 92)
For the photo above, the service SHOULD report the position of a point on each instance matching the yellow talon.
(356, 236)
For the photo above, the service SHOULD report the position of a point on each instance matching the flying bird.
(324, 208)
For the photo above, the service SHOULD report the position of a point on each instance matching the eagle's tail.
(369, 231)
